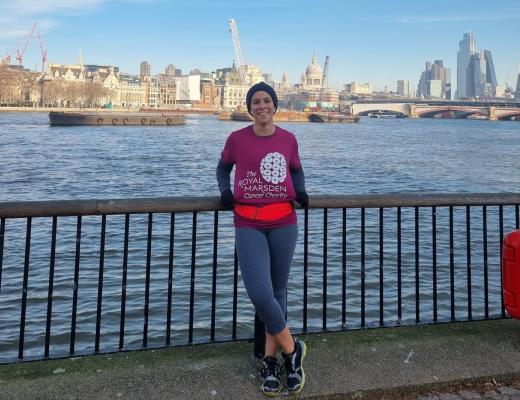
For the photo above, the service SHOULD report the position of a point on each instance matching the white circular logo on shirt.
(274, 168)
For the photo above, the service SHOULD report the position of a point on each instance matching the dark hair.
(264, 87)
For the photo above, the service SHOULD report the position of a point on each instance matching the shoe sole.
(303, 372)
(272, 394)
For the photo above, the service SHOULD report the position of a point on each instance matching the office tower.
(403, 88)
(466, 50)
(480, 77)
(476, 76)
(441, 87)
(491, 77)
(447, 83)
(435, 88)
(170, 70)
(437, 70)
(422, 87)
(145, 69)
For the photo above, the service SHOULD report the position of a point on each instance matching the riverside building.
(230, 89)
(358, 88)
(66, 85)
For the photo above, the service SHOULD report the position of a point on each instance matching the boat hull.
(336, 118)
(382, 115)
(72, 119)
(292, 116)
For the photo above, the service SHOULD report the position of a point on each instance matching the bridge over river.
(444, 110)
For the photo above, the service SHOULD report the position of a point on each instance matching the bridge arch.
(509, 116)
(401, 109)
(451, 109)
(455, 112)
(385, 111)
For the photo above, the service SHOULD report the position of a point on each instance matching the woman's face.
(262, 107)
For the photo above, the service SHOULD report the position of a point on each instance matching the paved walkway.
(474, 360)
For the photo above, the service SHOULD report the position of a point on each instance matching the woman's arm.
(224, 183)
(223, 175)
(298, 180)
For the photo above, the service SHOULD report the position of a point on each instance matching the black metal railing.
(109, 275)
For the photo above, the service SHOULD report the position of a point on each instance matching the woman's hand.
(227, 199)
(303, 199)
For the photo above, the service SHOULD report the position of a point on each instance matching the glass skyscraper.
(481, 80)
(466, 50)
(491, 77)
(476, 76)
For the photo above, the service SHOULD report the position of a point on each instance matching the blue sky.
(378, 41)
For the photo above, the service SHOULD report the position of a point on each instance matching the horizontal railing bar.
(24, 209)
(50, 208)
(413, 200)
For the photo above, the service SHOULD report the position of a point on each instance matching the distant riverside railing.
(80, 277)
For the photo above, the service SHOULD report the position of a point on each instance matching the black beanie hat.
(264, 87)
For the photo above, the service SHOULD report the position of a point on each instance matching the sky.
(376, 41)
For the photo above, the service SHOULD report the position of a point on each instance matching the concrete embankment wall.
(49, 109)
(115, 110)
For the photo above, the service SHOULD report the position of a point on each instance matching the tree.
(7, 86)
(94, 93)
(53, 91)
(16, 85)
(26, 84)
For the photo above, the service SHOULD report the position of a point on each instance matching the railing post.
(259, 346)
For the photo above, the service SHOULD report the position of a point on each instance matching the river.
(39, 162)
(375, 156)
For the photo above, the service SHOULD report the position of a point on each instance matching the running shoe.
(271, 376)
(294, 367)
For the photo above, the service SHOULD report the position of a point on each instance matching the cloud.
(431, 19)
(235, 5)
(18, 16)
(19, 8)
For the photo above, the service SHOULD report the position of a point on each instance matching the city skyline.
(381, 42)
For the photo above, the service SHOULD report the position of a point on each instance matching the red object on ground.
(511, 273)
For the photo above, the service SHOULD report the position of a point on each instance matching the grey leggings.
(265, 259)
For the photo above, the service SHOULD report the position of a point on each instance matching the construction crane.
(7, 58)
(324, 78)
(238, 50)
(19, 56)
(44, 52)
(325, 73)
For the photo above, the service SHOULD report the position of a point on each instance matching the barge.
(235, 116)
(291, 116)
(60, 118)
(333, 117)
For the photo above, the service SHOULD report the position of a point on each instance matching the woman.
(268, 178)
